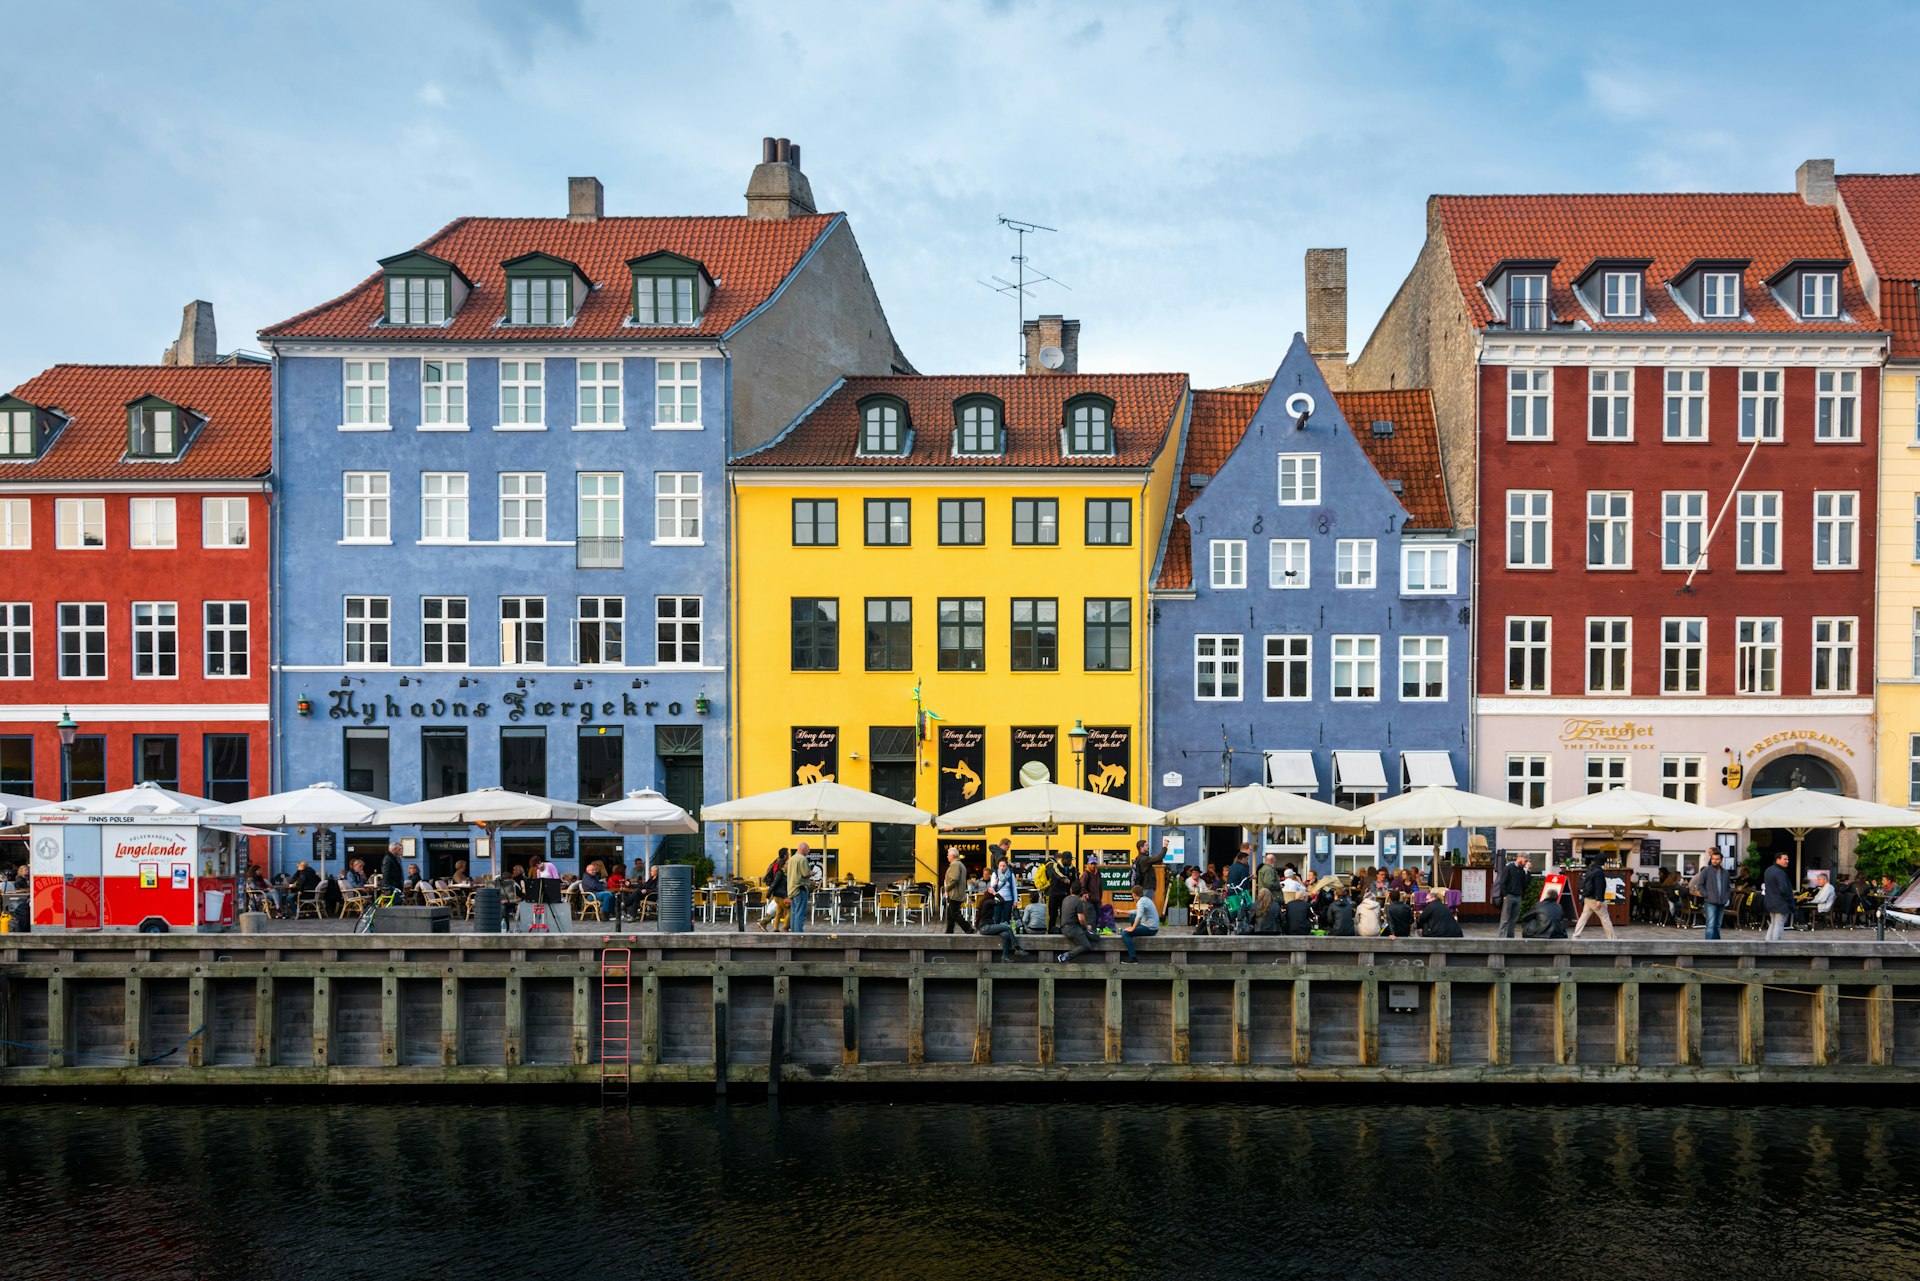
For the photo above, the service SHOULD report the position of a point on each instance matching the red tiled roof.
(747, 257)
(829, 434)
(1885, 210)
(234, 443)
(1673, 230)
(1411, 455)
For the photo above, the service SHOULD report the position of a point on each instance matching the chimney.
(777, 188)
(197, 343)
(1051, 331)
(1814, 181)
(1327, 314)
(586, 200)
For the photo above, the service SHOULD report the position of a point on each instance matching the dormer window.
(1089, 426)
(19, 429)
(1527, 300)
(422, 289)
(1620, 298)
(155, 429)
(883, 426)
(979, 424)
(1819, 295)
(669, 290)
(1720, 295)
(543, 290)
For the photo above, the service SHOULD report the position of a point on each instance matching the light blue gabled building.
(502, 503)
(1311, 609)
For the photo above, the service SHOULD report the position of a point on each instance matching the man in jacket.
(776, 878)
(1513, 888)
(1076, 920)
(391, 877)
(1437, 920)
(1298, 915)
(1059, 885)
(1714, 890)
(1776, 891)
(1242, 867)
(954, 892)
(799, 885)
(1593, 899)
(1144, 881)
(1093, 890)
(1545, 920)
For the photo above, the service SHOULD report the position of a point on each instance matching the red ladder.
(616, 1024)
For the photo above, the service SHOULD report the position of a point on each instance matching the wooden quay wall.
(927, 1010)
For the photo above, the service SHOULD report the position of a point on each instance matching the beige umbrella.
(1043, 804)
(1800, 811)
(1621, 809)
(816, 803)
(1436, 807)
(1257, 805)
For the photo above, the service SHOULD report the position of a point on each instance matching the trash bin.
(676, 898)
(216, 907)
(486, 910)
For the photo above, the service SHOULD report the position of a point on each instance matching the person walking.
(1059, 885)
(1714, 889)
(1075, 923)
(1005, 891)
(955, 886)
(1146, 924)
(799, 887)
(1776, 891)
(776, 879)
(392, 878)
(1593, 899)
(1513, 887)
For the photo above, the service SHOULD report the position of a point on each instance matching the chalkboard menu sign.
(1562, 851)
(323, 846)
(1109, 767)
(561, 843)
(1650, 852)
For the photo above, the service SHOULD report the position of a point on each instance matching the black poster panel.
(562, 844)
(963, 766)
(816, 759)
(323, 846)
(1033, 744)
(1109, 767)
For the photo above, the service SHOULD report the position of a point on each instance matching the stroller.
(1233, 915)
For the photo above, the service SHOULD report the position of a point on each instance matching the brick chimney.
(1327, 314)
(586, 200)
(777, 188)
(198, 343)
(1052, 331)
(1814, 181)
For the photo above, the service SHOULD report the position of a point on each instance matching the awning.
(1428, 769)
(1292, 771)
(1359, 772)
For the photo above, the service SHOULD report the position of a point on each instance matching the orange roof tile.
(1885, 211)
(747, 257)
(1411, 455)
(829, 434)
(1673, 230)
(234, 443)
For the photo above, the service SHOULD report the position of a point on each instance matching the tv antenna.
(1025, 274)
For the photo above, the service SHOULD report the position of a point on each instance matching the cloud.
(432, 95)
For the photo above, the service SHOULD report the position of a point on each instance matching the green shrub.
(702, 866)
(1888, 851)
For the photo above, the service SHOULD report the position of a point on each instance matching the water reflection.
(936, 1191)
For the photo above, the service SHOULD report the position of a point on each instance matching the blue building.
(1310, 611)
(502, 508)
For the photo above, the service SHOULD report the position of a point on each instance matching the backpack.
(1042, 875)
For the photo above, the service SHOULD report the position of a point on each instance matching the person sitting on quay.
(1366, 918)
(999, 918)
(1296, 914)
(1075, 926)
(1399, 915)
(1341, 913)
(1544, 920)
(1437, 920)
(1146, 924)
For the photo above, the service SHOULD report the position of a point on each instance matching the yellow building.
(1881, 216)
(934, 579)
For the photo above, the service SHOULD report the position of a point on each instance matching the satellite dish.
(1034, 773)
(1052, 358)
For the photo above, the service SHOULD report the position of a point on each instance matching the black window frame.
(1031, 650)
(871, 444)
(167, 779)
(814, 634)
(218, 782)
(95, 746)
(1108, 506)
(602, 735)
(955, 657)
(1032, 524)
(814, 508)
(996, 426)
(444, 734)
(374, 786)
(1100, 632)
(15, 782)
(969, 517)
(1070, 443)
(886, 506)
(524, 734)
(895, 637)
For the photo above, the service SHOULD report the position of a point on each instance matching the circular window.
(1299, 405)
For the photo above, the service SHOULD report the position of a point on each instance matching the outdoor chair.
(823, 905)
(914, 901)
(886, 903)
(587, 906)
(720, 904)
(849, 906)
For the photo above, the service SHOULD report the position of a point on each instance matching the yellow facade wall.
(770, 699)
(1897, 683)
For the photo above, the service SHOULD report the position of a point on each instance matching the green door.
(680, 780)
(892, 842)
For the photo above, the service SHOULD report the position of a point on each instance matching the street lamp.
(67, 730)
(1077, 740)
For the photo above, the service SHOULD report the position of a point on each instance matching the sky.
(263, 156)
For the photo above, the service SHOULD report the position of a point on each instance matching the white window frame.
(670, 384)
(1836, 417)
(1610, 404)
(1427, 569)
(1616, 640)
(226, 633)
(1536, 652)
(1756, 525)
(1298, 480)
(1620, 295)
(1227, 564)
(608, 506)
(1833, 639)
(1223, 657)
(526, 408)
(1528, 290)
(363, 396)
(374, 502)
(1682, 775)
(1684, 639)
(80, 632)
(520, 504)
(1836, 529)
(1356, 564)
(1761, 407)
(220, 519)
(674, 626)
(161, 620)
(1756, 657)
(1683, 527)
(1611, 511)
(16, 524)
(153, 524)
(1361, 656)
(1686, 392)
(455, 612)
(443, 502)
(592, 611)
(1289, 564)
(16, 640)
(74, 519)
(677, 496)
(1533, 772)
(1529, 403)
(1819, 295)
(1427, 654)
(1530, 528)
(443, 400)
(1720, 296)
(1609, 770)
(523, 631)
(1292, 653)
(375, 625)
(592, 410)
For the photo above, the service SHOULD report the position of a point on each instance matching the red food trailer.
(119, 867)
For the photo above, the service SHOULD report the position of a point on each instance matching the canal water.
(1031, 1191)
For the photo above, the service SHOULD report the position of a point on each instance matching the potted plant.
(1178, 899)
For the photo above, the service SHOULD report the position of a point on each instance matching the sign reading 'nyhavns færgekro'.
(367, 710)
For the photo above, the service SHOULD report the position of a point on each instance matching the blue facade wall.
(317, 571)
(1191, 735)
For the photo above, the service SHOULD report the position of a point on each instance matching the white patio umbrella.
(1041, 804)
(488, 807)
(644, 813)
(1622, 809)
(1435, 807)
(319, 805)
(11, 805)
(143, 798)
(816, 803)
(1257, 805)
(1800, 811)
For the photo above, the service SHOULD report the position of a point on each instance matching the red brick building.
(134, 578)
(1667, 433)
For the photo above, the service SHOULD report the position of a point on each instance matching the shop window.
(523, 759)
(602, 764)
(16, 764)
(228, 769)
(156, 759)
(443, 761)
(367, 763)
(86, 768)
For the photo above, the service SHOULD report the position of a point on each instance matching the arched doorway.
(1784, 773)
